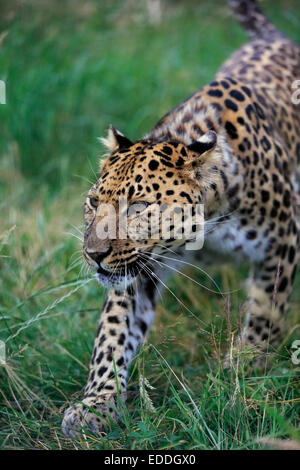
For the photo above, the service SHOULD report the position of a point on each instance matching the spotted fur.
(234, 146)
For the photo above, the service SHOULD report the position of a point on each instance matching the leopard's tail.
(252, 18)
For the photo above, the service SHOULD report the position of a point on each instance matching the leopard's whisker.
(197, 268)
(159, 292)
(74, 265)
(77, 228)
(114, 270)
(152, 273)
(84, 179)
(188, 277)
(75, 253)
(75, 236)
(221, 216)
(91, 167)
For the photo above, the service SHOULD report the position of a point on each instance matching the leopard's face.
(137, 204)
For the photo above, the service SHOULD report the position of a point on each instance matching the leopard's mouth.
(103, 271)
(120, 276)
(109, 280)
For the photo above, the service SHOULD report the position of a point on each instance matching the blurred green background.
(74, 67)
(71, 68)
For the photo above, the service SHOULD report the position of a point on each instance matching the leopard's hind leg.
(269, 290)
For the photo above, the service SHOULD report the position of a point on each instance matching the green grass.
(71, 69)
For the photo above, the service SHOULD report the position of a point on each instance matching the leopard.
(233, 148)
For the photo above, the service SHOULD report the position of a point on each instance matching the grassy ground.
(71, 68)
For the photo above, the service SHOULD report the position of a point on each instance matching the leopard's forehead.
(141, 170)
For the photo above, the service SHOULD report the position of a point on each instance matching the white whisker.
(75, 236)
(185, 275)
(152, 273)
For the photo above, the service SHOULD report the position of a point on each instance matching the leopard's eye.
(137, 208)
(94, 202)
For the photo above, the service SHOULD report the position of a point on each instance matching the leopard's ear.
(203, 159)
(115, 140)
(205, 143)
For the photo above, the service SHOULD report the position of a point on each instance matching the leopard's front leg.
(125, 320)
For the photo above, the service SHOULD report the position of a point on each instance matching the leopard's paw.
(92, 415)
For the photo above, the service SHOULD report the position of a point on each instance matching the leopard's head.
(145, 197)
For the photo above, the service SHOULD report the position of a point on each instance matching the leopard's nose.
(99, 256)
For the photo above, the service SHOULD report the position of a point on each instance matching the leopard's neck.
(186, 123)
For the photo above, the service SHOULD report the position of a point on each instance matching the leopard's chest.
(230, 238)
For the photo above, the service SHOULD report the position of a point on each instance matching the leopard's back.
(270, 66)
